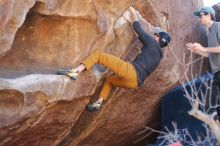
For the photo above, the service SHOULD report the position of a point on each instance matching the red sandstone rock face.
(44, 109)
(217, 10)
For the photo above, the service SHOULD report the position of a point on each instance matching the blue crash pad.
(175, 107)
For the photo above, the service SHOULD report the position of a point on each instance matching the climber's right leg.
(128, 82)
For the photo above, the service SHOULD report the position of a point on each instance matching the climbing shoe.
(93, 106)
(71, 73)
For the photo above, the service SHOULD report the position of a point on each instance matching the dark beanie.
(165, 37)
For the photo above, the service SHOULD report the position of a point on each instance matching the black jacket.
(150, 56)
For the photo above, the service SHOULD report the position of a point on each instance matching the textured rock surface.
(45, 109)
(217, 9)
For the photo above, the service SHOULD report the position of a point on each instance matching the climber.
(206, 16)
(128, 75)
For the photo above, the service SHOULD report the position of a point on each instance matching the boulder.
(39, 37)
(217, 10)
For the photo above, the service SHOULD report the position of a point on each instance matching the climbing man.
(206, 16)
(127, 75)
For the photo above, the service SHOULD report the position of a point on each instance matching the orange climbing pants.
(125, 74)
